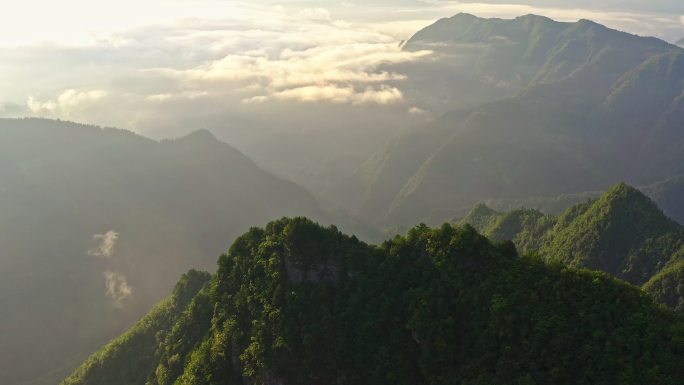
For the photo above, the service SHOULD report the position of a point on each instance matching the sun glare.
(83, 22)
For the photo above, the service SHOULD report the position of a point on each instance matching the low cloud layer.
(69, 103)
(228, 59)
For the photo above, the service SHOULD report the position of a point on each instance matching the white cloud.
(315, 14)
(66, 104)
(382, 95)
(164, 63)
(336, 74)
(117, 288)
(106, 244)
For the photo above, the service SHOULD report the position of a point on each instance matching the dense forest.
(297, 303)
(622, 232)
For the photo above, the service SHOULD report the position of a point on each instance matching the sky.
(143, 65)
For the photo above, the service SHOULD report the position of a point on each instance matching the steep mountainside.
(579, 107)
(296, 303)
(622, 233)
(668, 285)
(114, 364)
(97, 224)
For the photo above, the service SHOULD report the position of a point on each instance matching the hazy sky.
(143, 64)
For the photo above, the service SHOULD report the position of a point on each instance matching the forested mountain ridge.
(622, 232)
(142, 340)
(581, 108)
(97, 224)
(667, 286)
(666, 194)
(296, 303)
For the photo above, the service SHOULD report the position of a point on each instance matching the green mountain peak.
(622, 232)
(436, 306)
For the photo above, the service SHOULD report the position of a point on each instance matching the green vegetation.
(622, 232)
(667, 286)
(295, 303)
(130, 358)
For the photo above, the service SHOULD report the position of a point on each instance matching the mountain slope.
(570, 107)
(667, 286)
(622, 232)
(296, 303)
(96, 225)
(142, 340)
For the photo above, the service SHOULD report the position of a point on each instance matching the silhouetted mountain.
(296, 303)
(97, 224)
(571, 107)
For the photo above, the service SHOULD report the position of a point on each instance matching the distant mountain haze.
(97, 224)
(520, 128)
(667, 195)
(557, 108)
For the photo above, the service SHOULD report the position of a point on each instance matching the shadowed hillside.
(97, 224)
(567, 108)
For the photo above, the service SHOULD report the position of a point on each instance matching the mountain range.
(536, 124)
(557, 108)
(96, 225)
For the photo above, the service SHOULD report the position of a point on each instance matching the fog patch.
(117, 288)
(106, 244)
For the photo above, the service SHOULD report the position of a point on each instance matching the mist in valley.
(140, 140)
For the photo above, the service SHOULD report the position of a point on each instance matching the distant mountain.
(622, 232)
(668, 195)
(97, 224)
(295, 303)
(569, 107)
(680, 42)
